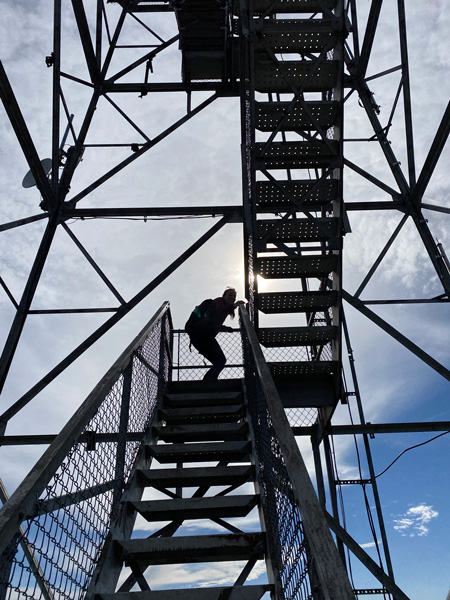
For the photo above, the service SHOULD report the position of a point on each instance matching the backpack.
(199, 312)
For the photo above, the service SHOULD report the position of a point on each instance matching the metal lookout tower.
(157, 467)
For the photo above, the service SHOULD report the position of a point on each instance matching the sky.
(199, 164)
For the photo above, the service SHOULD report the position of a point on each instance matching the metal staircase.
(196, 423)
(292, 110)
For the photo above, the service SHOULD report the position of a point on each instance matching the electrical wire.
(411, 448)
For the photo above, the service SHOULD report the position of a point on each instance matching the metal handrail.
(108, 393)
(328, 566)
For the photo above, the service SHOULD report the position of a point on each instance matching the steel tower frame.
(100, 41)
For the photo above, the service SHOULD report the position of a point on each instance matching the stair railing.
(61, 512)
(302, 549)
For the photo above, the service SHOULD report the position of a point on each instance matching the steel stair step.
(292, 302)
(303, 369)
(293, 267)
(200, 452)
(240, 592)
(270, 115)
(297, 230)
(197, 476)
(284, 155)
(203, 386)
(269, 78)
(292, 6)
(272, 337)
(299, 36)
(201, 432)
(192, 549)
(193, 399)
(310, 194)
(180, 509)
(207, 414)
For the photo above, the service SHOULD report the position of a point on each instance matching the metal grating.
(270, 115)
(270, 79)
(283, 267)
(277, 196)
(294, 230)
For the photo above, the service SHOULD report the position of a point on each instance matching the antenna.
(29, 181)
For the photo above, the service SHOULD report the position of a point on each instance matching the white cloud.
(201, 575)
(415, 520)
(370, 544)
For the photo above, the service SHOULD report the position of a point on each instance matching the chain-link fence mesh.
(54, 554)
(288, 550)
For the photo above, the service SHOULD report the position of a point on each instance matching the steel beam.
(86, 41)
(18, 123)
(366, 560)
(430, 361)
(26, 300)
(141, 151)
(23, 500)
(369, 35)
(98, 333)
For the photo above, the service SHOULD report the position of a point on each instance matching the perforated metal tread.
(309, 194)
(291, 302)
(207, 414)
(211, 507)
(302, 266)
(247, 592)
(295, 36)
(199, 452)
(199, 432)
(297, 230)
(287, 116)
(286, 75)
(179, 400)
(197, 476)
(192, 549)
(283, 155)
(292, 6)
(272, 337)
(303, 369)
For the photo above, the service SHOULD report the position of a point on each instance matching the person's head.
(229, 296)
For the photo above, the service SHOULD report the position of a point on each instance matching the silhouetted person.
(204, 324)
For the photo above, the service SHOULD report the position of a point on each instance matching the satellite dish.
(29, 181)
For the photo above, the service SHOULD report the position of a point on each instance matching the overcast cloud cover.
(199, 164)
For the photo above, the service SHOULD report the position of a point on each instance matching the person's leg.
(211, 350)
(218, 359)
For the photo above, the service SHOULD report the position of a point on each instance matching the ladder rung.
(291, 302)
(302, 266)
(180, 509)
(272, 337)
(192, 549)
(197, 476)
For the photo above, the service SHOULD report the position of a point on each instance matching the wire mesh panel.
(289, 553)
(54, 553)
(189, 365)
